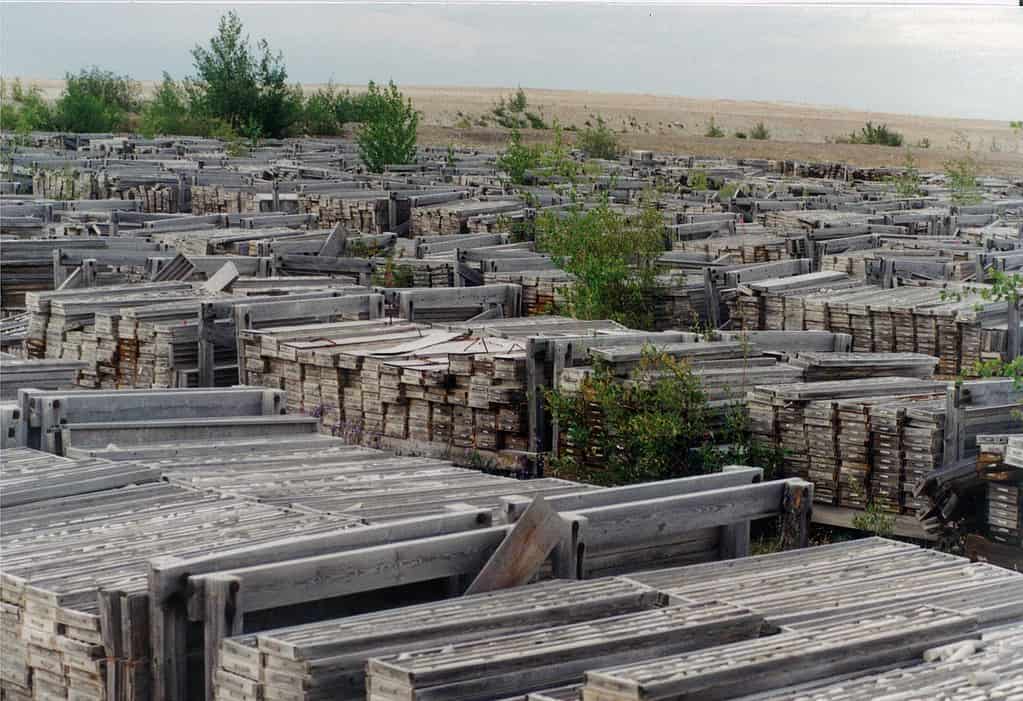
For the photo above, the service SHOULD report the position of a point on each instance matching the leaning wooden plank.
(534, 536)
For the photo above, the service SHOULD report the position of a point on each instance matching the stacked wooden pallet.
(367, 212)
(1005, 497)
(382, 384)
(543, 291)
(778, 418)
(453, 217)
(738, 249)
(58, 316)
(328, 659)
(823, 367)
(519, 663)
(219, 199)
(74, 571)
(959, 328)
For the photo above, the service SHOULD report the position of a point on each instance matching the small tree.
(760, 132)
(961, 174)
(169, 112)
(612, 259)
(713, 130)
(907, 183)
(243, 85)
(599, 141)
(518, 158)
(389, 135)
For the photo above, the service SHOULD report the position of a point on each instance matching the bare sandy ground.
(672, 123)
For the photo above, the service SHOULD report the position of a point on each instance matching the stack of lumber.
(823, 367)
(778, 417)
(74, 571)
(1005, 496)
(220, 199)
(398, 385)
(328, 659)
(680, 301)
(519, 663)
(543, 291)
(738, 249)
(366, 211)
(958, 327)
(453, 217)
(59, 316)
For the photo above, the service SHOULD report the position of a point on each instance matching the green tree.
(518, 158)
(169, 112)
(23, 111)
(243, 85)
(389, 134)
(961, 173)
(907, 183)
(599, 141)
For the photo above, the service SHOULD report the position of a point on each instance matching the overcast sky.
(964, 61)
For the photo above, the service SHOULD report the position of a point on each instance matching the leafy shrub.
(697, 179)
(907, 183)
(169, 112)
(518, 158)
(96, 100)
(512, 113)
(598, 142)
(740, 135)
(24, 110)
(880, 135)
(760, 132)
(389, 133)
(961, 174)
(713, 130)
(611, 257)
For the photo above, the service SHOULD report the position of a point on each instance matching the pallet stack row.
(367, 382)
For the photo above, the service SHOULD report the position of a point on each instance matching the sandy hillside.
(678, 124)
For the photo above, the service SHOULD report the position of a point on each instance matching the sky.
(961, 59)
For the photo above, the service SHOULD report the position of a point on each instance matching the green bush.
(713, 130)
(907, 183)
(598, 142)
(24, 110)
(169, 112)
(962, 175)
(760, 132)
(389, 134)
(518, 158)
(512, 113)
(96, 100)
(612, 259)
(880, 135)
